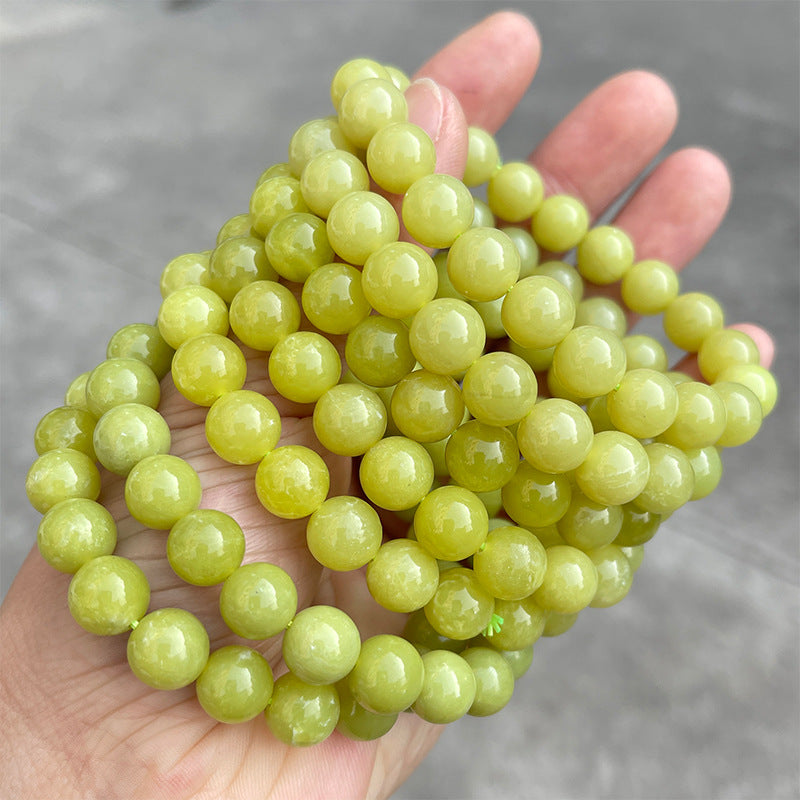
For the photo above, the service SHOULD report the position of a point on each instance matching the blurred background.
(132, 131)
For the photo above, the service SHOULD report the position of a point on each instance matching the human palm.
(78, 723)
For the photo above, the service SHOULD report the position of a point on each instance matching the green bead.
(638, 526)
(565, 274)
(272, 200)
(121, 380)
(399, 154)
(527, 248)
(555, 436)
(300, 714)
(205, 546)
(189, 269)
(359, 224)
(448, 688)
(303, 366)
(602, 312)
(168, 649)
(451, 523)
(494, 680)
(725, 348)
(60, 475)
(511, 563)
(701, 417)
(399, 279)
(263, 313)
(649, 286)
(707, 467)
(644, 404)
(258, 600)
(239, 225)
(589, 361)
(483, 264)
(321, 645)
(533, 498)
(615, 470)
(427, 407)
(344, 533)
(742, 414)
(570, 582)
(144, 342)
(556, 624)
(539, 360)
(402, 576)
(388, 674)
(208, 366)
(333, 298)
(353, 71)
(670, 483)
(461, 608)
(313, 138)
(161, 489)
(483, 156)
(355, 722)
(519, 660)
(645, 352)
(515, 191)
(126, 434)
(349, 419)
(189, 312)
(761, 382)
(235, 685)
(75, 396)
(398, 77)
(368, 106)
(437, 209)
(560, 223)
(588, 524)
(490, 313)
(296, 245)
(75, 531)
(604, 254)
(396, 473)
(242, 426)
(67, 427)
(424, 637)
(236, 262)
(538, 312)
(108, 594)
(692, 317)
(634, 556)
(292, 481)
(328, 177)
(614, 575)
(480, 457)
(523, 623)
(279, 170)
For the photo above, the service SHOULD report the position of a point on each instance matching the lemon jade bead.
(547, 535)
(638, 526)
(126, 434)
(292, 481)
(75, 396)
(604, 254)
(296, 245)
(480, 457)
(602, 312)
(303, 366)
(399, 154)
(445, 287)
(556, 624)
(690, 318)
(701, 417)
(272, 200)
(349, 419)
(161, 489)
(649, 286)
(555, 436)
(483, 264)
(353, 71)
(75, 531)
(321, 645)
(634, 556)
(403, 576)
(670, 482)
(205, 546)
(419, 632)
(538, 312)
(483, 156)
(355, 722)
(361, 223)
(61, 475)
(144, 342)
(447, 336)
(519, 660)
(614, 575)
(368, 106)
(300, 714)
(448, 688)
(707, 467)
(189, 312)
(523, 623)
(242, 426)
(588, 524)
(314, 137)
(499, 389)
(378, 351)
(258, 600)
(396, 473)
(66, 427)
(388, 675)
(760, 381)
(527, 249)
(279, 170)
(328, 177)
(208, 366)
(121, 380)
(515, 191)
(589, 361)
(461, 608)
(511, 563)
(644, 352)
(239, 225)
(539, 360)
(189, 269)
(235, 684)
(398, 77)
(723, 349)
(263, 313)
(533, 498)
(399, 279)
(107, 595)
(494, 680)
(615, 470)
(236, 262)
(344, 533)
(168, 649)
(570, 582)
(333, 298)
(565, 274)
(437, 209)
(742, 414)
(560, 223)
(644, 404)
(491, 315)
(427, 407)
(451, 523)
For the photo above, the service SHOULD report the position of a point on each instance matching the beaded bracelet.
(523, 510)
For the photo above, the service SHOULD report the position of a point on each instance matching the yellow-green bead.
(560, 223)
(402, 576)
(368, 106)
(378, 351)
(480, 457)
(333, 298)
(65, 427)
(589, 361)
(483, 264)
(292, 481)
(692, 317)
(300, 714)
(398, 154)
(643, 404)
(588, 524)
(649, 286)
(303, 366)
(515, 191)
(344, 533)
(743, 415)
(427, 407)
(602, 312)
(279, 170)
(399, 279)
(235, 263)
(701, 417)
(461, 608)
(121, 380)
(725, 348)
(604, 255)
(189, 269)
(451, 523)
(644, 352)
(298, 244)
(144, 342)
(511, 563)
(396, 473)
(75, 396)
(526, 247)
(538, 312)
(60, 475)
(239, 225)
(638, 526)
(361, 223)
(555, 436)
(263, 313)
(499, 389)
(208, 366)
(615, 470)
(565, 274)
(189, 312)
(614, 575)
(494, 680)
(126, 434)
(161, 489)
(533, 498)
(397, 77)
(328, 177)
(570, 582)
(760, 381)
(707, 467)
(448, 688)
(348, 419)
(353, 71)
(272, 200)
(314, 137)
(242, 426)
(483, 156)
(519, 660)
(437, 209)
(670, 482)
(523, 623)
(355, 722)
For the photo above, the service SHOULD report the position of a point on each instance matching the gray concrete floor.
(131, 131)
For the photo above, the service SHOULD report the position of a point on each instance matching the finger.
(608, 139)
(488, 67)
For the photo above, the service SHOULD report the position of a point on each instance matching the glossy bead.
(424, 637)
(75, 396)
(300, 714)
(279, 170)
(588, 524)
(527, 249)
(690, 318)
(634, 556)
(206, 367)
(189, 269)
(403, 575)
(560, 223)
(538, 312)
(701, 417)
(638, 526)
(355, 722)
(368, 106)
(235, 684)
(75, 531)
(490, 313)
(61, 475)
(161, 489)
(398, 77)
(523, 623)
(126, 434)
(451, 523)
(533, 498)
(396, 473)
(205, 546)
(555, 436)
(614, 575)
(604, 255)
(263, 313)
(649, 286)
(168, 649)
(707, 468)
(258, 600)
(344, 533)
(144, 342)
(445, 287)
(494, 680)
(399, 279)
(296, 245)
(644, 404)
(482, 216)
(539, 360)
(427, 407)
(570, 582)
(515, 191)
(519, 660)
(333, 298)
(237, 262)
(121, 380)
(378, 351)
(761, 382)
(303, 366)
(725, 348)
(242, 426)
(189, 312)
(328, 177)
(481, 457)
(399, 154)
(437, 209)
(361, 223)
(742, 414)
(603, 312)
(349, 419)
(448, 688)
(615, 470)
(461, 608)
(645, 352)
(314, 137)
(292, 481)
(589, 361)
(483, 156)
(239, 225)
(670, 483)
(274, 199)
(353, 71)
(499, 389)
(107, 594)
(66, 427)
(483, 264)
(511, 563)
(556, 624)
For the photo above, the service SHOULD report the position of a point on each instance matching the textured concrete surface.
(131, 131)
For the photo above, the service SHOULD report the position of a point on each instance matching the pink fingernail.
(425, 106)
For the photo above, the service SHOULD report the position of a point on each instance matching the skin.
(78, 723)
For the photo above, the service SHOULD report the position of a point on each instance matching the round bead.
(588, 524)
(645, 352)
(451, 523)
(292, 481)
(499, 389)
(570, 582)
(448, 688)
(303, 366)
(236, 262)
(208, 366)
(121, 380)
(634, 556)
(560, 223)
(313, 138)
(515, 191)
(742, 414)
(483, 264)
(66, 427)
(690, 318)
(615, 470)
(239, 225)
(637, 527)
(189, 312)
(189, 269)
(533, 498)
(602, 312)
(707, 468)
(671, 480)
(399, 279)
(279, 170)
(403, 576)
(556, 624)
(349, 419)
(108, 594)
(437, 209)
(527, 249)
(761, 382)
(494, 680)
(399, 154)
(296, 245)
(344, 533)
(614, 575)
(604, 255)
(355, 722)
(538, 312)
(258, 600)
(648, 287)
(480, 457)
(555, 436)
(519, 660)
(565, 274)
(328, 177)
(589, 361)
(483, 156)
(60, 475)
(75, 531)
(461, 608)
(144, 342)
(644, 404)
(378, 351)
(422, 635)
(353, 71)
(396, 473)
(368, 106)
(725, 348)
(361, 223)
(161, 489)
(701, 417)
(523, 623)
(242, 426)
(427, 407)
(333, 298)
(205, 547)
(126, 434)
(75, 396)
(272, 200)
(300, 714)
(168, 649)
(511, 563)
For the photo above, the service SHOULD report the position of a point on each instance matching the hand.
(78, 723)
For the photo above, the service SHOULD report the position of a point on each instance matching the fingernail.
(425, 106)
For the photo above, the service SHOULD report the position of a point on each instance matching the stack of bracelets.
(522, 510)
